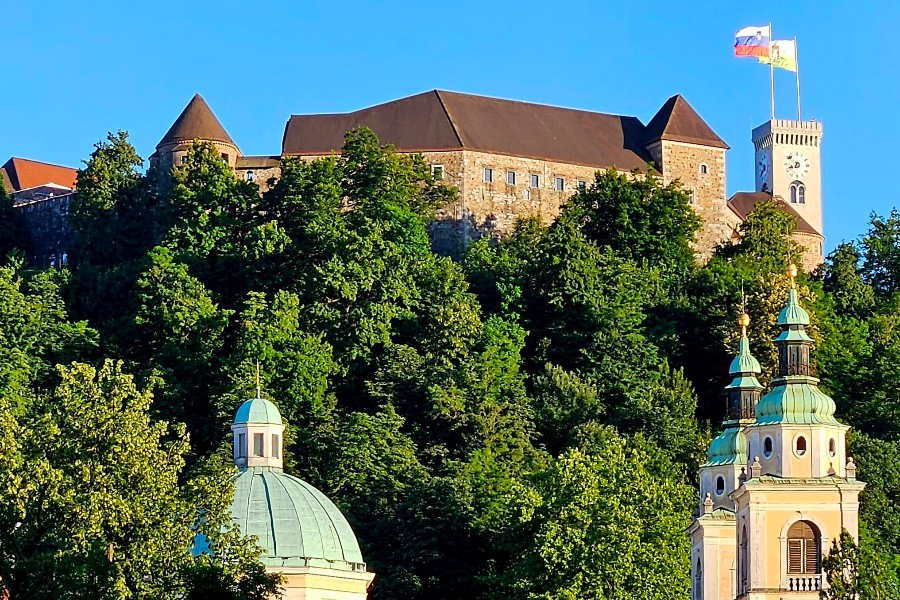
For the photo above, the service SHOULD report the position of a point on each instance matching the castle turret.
(196, 122)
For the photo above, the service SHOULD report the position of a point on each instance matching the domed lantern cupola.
(796, 433)
(258, 434)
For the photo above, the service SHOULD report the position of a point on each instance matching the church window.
(259, 442)
(804, 548)
(767, 447)
(276, 446)
(510, 178)
(437, 172)
(745, 560)
(704, 169)
(249, 175)
(242, 445)
(560, 184)
(535, 181)
(698, 582)
(801, 194)
(526, 194)
(832, 447)
(720, 485)
(800, 446)
(488, 175)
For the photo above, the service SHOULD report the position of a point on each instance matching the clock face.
(796, 164)
(763, 167)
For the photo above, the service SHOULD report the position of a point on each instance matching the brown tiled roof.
(21, 173)
(196, 122)
(440, 120)
(742, 203)
(677, 121)
(257, 162)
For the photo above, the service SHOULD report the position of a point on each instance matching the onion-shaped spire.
(730, 447)
(795, 395)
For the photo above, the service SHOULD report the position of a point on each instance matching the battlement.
(786, 131)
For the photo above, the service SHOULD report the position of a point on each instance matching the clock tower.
(788, 164)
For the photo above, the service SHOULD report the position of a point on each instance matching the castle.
(508, 160)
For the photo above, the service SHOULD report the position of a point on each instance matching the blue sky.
(73, 71)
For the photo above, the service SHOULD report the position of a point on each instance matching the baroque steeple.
(795, 395)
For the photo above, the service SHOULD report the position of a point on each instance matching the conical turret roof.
(196, 122)
(679, 122)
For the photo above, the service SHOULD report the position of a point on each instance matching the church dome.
(258, 410)
(728, 448)
(294, 523)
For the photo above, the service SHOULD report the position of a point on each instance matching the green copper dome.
(744, 362)
(293, 522)
(793, 313)
(729, 448)
(796, 399)
(258, 410)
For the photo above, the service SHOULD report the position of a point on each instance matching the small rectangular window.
(276, 447)
(242, 446)
(184, 159)
(511, 178)
(488, 175)
(437, 172)
(224, 157)
(259, 442)
(535, 181)
(581, 184)
(560, 184)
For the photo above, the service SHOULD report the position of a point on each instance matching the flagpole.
(797, 76)
(771, 71)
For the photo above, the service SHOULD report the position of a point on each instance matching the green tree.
(638, 217)
(602, 522)
(841, 568)
(91, 503)
(843, 280)
(881, 254)
(175, 334)
(110, 189)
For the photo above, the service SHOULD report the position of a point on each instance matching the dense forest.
(525, 422)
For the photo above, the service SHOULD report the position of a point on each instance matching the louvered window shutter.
(812, 556)
(795, 556)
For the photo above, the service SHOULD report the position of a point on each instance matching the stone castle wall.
(686, 163)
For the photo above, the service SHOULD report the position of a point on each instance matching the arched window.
(745, 560)
(832, 447)
(800, 446)
(704, 169)
(804, 548)
(698, 582)
(249, 175)
(767, 447)
(798, 193)
(720, 485)
(526, 194)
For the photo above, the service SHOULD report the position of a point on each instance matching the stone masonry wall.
(685, 162)
(492, 208)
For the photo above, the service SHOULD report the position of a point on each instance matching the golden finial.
(744, 322)
(792, 273)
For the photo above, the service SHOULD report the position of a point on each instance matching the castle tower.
(196, 122)
(685, 148)
(801, 489)
(713, 537)
(789, 165)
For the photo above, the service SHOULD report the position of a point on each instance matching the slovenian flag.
(752, 41)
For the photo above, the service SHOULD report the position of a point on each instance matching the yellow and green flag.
(782, 54)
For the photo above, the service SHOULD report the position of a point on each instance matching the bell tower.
(789, 164)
